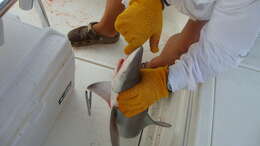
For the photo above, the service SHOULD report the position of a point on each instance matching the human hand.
(178, 44)
(141, 21)
(152, 87)
(172, 51)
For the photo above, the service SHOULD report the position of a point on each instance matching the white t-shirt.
(231, 31)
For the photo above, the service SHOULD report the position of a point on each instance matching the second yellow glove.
(139, 22)
(151, 88)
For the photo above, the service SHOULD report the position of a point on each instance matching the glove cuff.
(164, 90)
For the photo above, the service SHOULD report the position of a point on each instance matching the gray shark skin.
(129, 73)
(127, 77)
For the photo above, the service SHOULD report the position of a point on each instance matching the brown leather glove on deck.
(141, 21)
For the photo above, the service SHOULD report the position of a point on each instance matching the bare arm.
(178, 44)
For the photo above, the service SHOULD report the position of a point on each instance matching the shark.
(127, 76)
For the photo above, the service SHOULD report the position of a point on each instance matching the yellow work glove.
(152, 87)
(139, 22)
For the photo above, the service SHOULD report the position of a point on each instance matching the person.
(218, 35)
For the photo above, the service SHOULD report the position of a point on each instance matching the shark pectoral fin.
(162, 124)
(102, 89)
(149, 121)
(114, 135)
